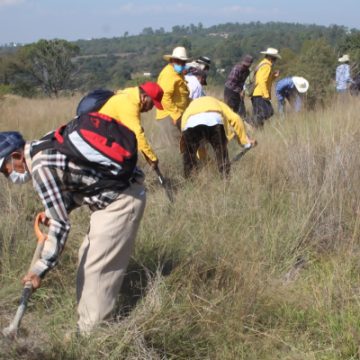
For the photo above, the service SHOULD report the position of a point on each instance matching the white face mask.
(19, 178)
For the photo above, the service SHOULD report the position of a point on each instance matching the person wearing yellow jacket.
(261, 97)
(127, 104)
(176, 94)
(210, 119)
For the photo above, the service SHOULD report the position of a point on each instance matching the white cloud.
(10, 2)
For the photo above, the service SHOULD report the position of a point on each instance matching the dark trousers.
(215, 135)
(235, 102)
(262, 110)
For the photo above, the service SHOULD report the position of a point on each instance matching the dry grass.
(208, 274)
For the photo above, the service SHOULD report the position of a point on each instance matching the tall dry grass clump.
(262, 266)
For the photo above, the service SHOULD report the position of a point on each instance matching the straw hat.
(344, 58)
(271, 52)
(178, 53)
(301, 84)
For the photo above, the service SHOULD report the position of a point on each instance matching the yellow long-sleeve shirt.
(232, 122)
(124, 106)
(176, 93)
(263, 79)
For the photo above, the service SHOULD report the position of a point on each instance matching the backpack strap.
(46, 142)
(259, 66)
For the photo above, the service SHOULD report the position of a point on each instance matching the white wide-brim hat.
(301, 84)
(271, 52)
(344, 58)
(178, 53)
(195, 65)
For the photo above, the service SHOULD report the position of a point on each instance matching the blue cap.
(9, 142)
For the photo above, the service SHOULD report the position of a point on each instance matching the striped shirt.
(61, 185)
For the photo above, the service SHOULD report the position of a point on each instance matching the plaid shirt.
(61, 185)
(237, 77)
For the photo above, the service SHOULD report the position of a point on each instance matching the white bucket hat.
(271, 52)
(344, 58)
(301, 84)
(195, 65)
(178, 53)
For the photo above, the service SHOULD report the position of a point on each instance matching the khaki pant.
(104, 256)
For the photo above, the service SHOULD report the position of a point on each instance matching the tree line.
(53, 67)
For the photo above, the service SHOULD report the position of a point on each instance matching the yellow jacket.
(232, 121)
(263, 79)
(124, 106)
(176, 93)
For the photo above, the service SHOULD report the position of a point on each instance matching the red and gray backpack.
(98, 141)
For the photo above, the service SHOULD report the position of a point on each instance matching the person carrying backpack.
(261, 97)
(83, 175)
(126, 107)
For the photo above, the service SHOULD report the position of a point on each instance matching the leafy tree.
(186, 43)
(351, 46)
(5, 69)
(317, 63)
(147, 31)
(108, 62)
(286, 65)
(48, 64)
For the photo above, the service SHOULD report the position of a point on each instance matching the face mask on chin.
(179, 68)
(19, 178)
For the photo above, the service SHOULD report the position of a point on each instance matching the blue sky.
(30, 20)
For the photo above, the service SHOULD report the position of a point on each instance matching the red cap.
(156, 93)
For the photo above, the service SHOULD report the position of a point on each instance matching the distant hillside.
(224, 43)
(117, 61)
(251, 36)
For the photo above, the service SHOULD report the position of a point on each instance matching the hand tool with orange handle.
(12, 329)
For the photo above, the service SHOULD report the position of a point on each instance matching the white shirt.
(343, 77)
(195, 88)
(204, 118)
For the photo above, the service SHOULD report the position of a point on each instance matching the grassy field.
(263, 266)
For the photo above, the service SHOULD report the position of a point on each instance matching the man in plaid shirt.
(233, 91)
(116, 213)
